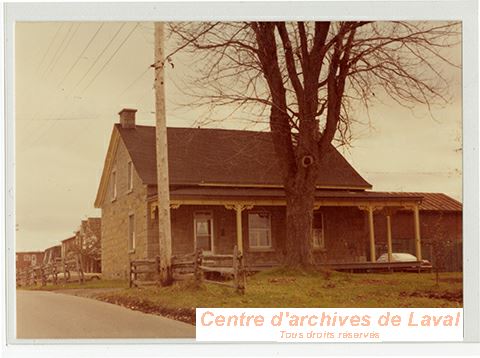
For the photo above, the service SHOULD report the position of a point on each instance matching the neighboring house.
(28, 259)
(51, 254)
(85, 245)
(226, 190)
(89, 240)
(70, 246)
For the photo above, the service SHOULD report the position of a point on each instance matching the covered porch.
(232, 210)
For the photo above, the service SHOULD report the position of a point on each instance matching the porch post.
(389, 238)
(418, 243)
(238, 210)
(371, 234)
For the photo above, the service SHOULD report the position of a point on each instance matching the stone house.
(226, 189)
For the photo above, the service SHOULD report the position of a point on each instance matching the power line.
(58, 50)
(110, 59)
(50, 46)
(66, 46)
(90, 68)
(134, 82)
(99, 56)
(82, 53)
(52, 123)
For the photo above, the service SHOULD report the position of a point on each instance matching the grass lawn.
(279, 288)
(290, 288)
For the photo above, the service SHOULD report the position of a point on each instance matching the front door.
(203, 222)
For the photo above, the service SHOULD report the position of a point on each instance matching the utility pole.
(163, 191)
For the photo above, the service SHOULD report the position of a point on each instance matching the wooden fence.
(56, 271)
(200, 266)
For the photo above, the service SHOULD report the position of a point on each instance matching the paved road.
(51, 315)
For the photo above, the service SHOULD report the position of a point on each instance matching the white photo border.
(463, 10)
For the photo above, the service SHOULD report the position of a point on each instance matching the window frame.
(269, 230)
(314, 246)
(209, 213)
(114, 191)
(131, 243)
(129, 176)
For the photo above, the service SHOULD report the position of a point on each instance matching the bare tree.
(309, 75)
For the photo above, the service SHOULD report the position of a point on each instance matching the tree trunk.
(300, 197)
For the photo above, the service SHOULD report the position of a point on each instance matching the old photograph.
(162, 167)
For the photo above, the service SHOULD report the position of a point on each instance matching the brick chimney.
(127, 118)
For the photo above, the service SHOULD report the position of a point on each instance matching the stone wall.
(115, 254)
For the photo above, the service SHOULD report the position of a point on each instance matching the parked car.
(72, 276)
(405, 257)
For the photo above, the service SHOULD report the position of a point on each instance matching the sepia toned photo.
(162, 167)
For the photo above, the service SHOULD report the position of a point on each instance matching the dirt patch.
(186, 315)
(87, 292)
(452, 296)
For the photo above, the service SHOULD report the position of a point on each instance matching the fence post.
(78, 267)
(236, 282)
(130, 274)
(157, 269)
(197, 263)
(135, 273)
(65, 269)
(54, 272)
(31, 276)
(44, 278)
(82, 272)
(241, 274)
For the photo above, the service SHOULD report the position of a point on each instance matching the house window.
(114, 185)
(318, 231)
(204, 230)
(259, 231)
(26, 258)
(34, 260)
(131, 232)
(130, 176)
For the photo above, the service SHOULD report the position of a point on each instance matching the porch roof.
(222, 192)
(276, 196)
(426, 201)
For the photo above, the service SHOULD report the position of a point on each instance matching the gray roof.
(227, 157)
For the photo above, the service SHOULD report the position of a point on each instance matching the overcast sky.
(73, 78)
